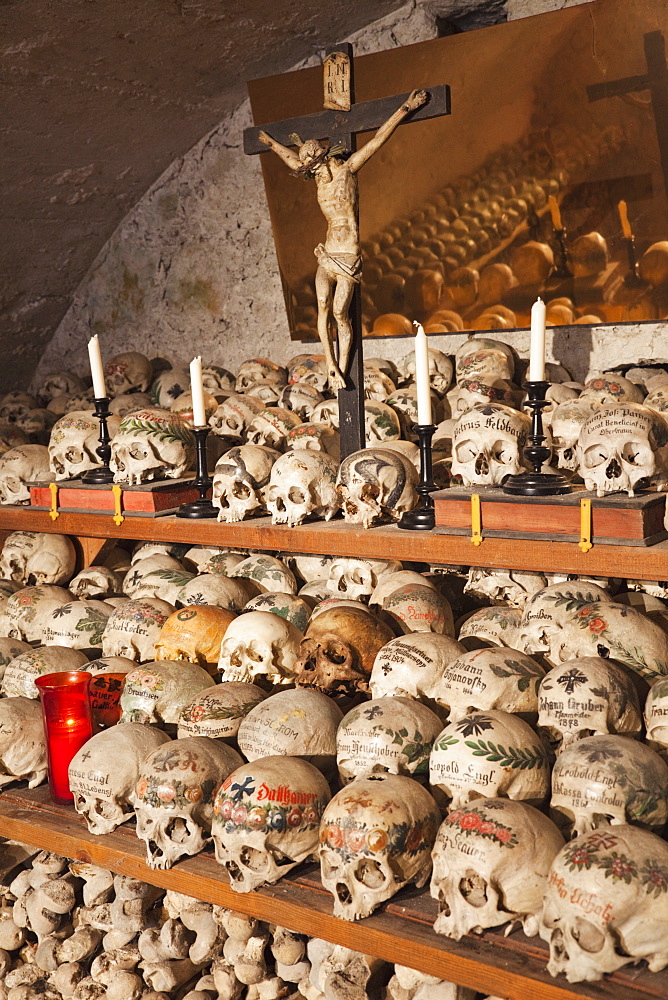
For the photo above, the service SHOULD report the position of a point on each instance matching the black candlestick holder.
(202, 507)
(537, 483)
(102, 474)
(421, 518)
(562, 270)
(632, 279)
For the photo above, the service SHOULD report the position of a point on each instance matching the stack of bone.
(481, 732)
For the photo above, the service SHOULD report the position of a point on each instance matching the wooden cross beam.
(656, 81)
(341, 127)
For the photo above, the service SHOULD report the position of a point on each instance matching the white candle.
(197, 392)
(537, 348)
(422, 376)
(96, 369)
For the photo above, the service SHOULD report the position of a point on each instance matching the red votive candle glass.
(68, 724)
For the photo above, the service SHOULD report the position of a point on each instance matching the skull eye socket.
(240, 490)
(501, 452)
(635, 454)
(336, 652)
(595, 455)
(466, 451)
(588, 936)
(74, 455)
(138, 452)
(296, 496)
(370, 874)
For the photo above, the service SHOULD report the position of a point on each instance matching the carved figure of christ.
(339, 258)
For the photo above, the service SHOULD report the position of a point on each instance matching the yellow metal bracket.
(118, 496)
(476, 520)
(53, 490)
(585, 542)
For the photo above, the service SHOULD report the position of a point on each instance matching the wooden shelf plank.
(512, 967)
(341, 539)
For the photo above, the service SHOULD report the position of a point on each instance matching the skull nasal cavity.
(614, 470)
(481, 465)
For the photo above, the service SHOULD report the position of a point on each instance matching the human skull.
(489, 753)
(129, 402)
(480, 390)
(37, 425)
(134, 627)
(605, 780)
(73, 444)
(58, 384)
(151, 444)
(656, 710)
(96, 581)
(240, 482)
(440, 370)
(293, 609)
(605, 904)
(217, 590)
(301, 398)
(174, 797)
(487, 444)
(381, 423)
(623, 447)
(391, 580)
(302, 484)
(183, 406)
(194, 634)
(491, 864)
(268, 573)
(218, 711)
(358, 579)
(376, 485)
(294, 723)
(20, 466)
(376, 836)
(18, 680)
(15, 405)
(338, 650)
(259, 370)
(166, 584)
(503, 586)
(271, 426)
(158, 691)
(127, 372)
(28, 610)
(418, 608)
(22, 742)
(549, 610)
(327, 413)
(103, 774)
(9, 649)
(133, 581)
(492, 678)
(587, 697)
(413, 666)
(377, 385)
(259, 644)
(267, 819)
(566, 423)
(308, 368)
(77, 625)
(233, 416)
(588, 255)
(610, 388)
(480, 354)
(388, 734)
(37, 557)
(315, 437)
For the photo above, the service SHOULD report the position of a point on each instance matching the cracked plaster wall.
(192, 269)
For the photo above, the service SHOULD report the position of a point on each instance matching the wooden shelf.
(341, 539)
(512, 967)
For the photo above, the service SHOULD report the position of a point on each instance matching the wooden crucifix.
(656, 81)
(334, 167)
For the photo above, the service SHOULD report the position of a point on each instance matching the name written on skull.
(588, 902)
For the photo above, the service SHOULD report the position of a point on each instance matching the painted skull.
(233, 416)
(376, 485)
(127, 372)
(134, 627)
(74, 441)
(487, 444)
(151, 444)
(412, 666)
(20, 466)
(157, 692)
(493, 678)
(271, 427)
(302, 484)
(218, 711)
(194, 634)
(36, 557)
(623, 447)
(294, 723)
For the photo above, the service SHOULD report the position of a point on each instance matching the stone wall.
(192, 267)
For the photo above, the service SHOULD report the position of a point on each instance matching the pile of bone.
(498, 751)
(74, 930)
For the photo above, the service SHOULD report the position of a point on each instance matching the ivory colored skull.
(487, 444)
(96, 581)
(381, 423)
(297, 723)
(18, 680)
(194, 634)
(587, 697)
(623, 447)
(377, 385)
(218, 711)
(28, 610)
(440, 370)
(158, 691)
(217, 379)
(315, 437)
(489, 753)
(134, 627)
(391, 580)
(606, 904)
(133, 581)
(166, 584)
(129, 402)
(503, 586)
(655, 714)
(9, 649)
(234, 415)
(393, 735)
(271, 426)
(216, 590)
(604, 780)
(610, 388)
(419, 608)
(497, 678)
(327, 413)
(259, 644)
(22, 741)
(28, 463)
(566, 423)
(308, 368)
(293, 609)
(240, 482)
(58, 384)
(491, 864)
(36, 557)
(357, 579)
(269, 574)
(480, 354)
(74, 441)
(259, 370)
(127, 372)
(301, 398)
(151, 444)
(376, 837)
(338, 650)
(413, 666)
(15, 405)
(77, 625)
(376, 485)
(550, 610)
(103, 774)
(302, 484)
(267, 819)
(480, 390)
(174, 797)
